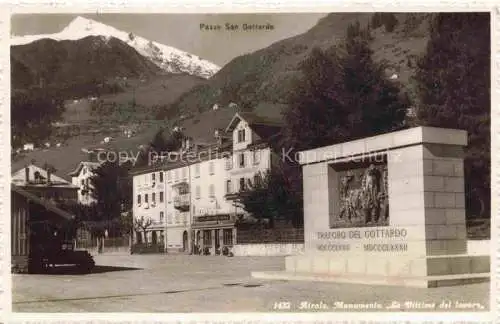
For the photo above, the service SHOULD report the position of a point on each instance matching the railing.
(215, 218)
(108, 243)
(259, 235)
(182, 201)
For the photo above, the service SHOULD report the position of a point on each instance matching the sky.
(183, 30)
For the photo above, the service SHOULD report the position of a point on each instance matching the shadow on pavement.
(72, 270)
(102, 269)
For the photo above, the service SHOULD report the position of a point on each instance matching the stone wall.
(279, 249)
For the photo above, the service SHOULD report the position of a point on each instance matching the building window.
(227, 237)
(184, 173)
(196, 170)
(242, 160)
(194, 210)
(161, 217)
(242, 184)
(228, 186)
(241, 135)
(229, 163)
(184, 190)
(161, 176)
(146, 198)
(211, 168)
(153, 197)
(207, 238)
(82, 182)
(169, 218)
(198, 192)
(211, 191)
(256, 157)
(138, 199)
(176, 174)
(161, 196)
(153, 177)
(256, 180)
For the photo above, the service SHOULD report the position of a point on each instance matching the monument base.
(419, 282)
(425, 272)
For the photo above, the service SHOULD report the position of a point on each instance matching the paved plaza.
(183, 283)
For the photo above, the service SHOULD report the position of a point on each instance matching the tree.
(127, 222)
(376, 103)
(271, 197)
(86, 216)
(112, 189)
(32, 114)
(160, 144)
(342, 95)
(453, 86)
(386, 19)
(141, 224)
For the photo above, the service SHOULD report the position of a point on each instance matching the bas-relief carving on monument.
(363, 197)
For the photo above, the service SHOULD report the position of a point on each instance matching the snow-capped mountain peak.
(168, 58)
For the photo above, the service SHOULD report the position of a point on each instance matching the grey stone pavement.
(183, 283)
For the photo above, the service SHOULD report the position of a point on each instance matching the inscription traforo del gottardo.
(347, 240)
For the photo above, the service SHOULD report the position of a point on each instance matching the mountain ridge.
(267, 74)
(80, 63)
(169, 59)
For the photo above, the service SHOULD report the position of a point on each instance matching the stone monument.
(388, 209)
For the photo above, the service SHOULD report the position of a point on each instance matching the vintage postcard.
(283, 166)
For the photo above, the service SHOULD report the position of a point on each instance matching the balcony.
(182, 202)
(233, 195)
(218, 218)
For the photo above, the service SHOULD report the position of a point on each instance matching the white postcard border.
(205, 6)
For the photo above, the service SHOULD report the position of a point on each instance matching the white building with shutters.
(199, 184)
(81, 177)
(149, 207)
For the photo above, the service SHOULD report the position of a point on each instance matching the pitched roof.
(202, 127)
(48, 205)
(263, 126)
(19, 177)
(90, 165)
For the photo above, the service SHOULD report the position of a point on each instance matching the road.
(183, 283)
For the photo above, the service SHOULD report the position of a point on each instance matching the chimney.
(27, 174)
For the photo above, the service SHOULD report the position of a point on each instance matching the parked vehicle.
(42, 260)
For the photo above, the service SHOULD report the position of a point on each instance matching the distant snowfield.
(168, 58)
